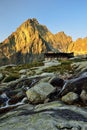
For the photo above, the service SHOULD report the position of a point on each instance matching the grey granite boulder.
(39, 92)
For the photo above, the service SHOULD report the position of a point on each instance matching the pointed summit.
(30, 41)
(31, 38)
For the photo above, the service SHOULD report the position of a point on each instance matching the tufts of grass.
(11, 78)
(64, 67)
(22, 66)
(28, 66)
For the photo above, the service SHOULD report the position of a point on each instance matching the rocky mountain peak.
(32, 38)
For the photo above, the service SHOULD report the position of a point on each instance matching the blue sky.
(69, 16)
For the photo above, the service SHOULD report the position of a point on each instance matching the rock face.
(49, 116)
(32, 39)
(62, 41)
(78, 47)
(29, 41)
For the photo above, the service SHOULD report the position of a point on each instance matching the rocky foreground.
(51, 95)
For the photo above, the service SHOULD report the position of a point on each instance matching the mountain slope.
(62, 41)
(79, 47)
(29, 40)
(29, 37)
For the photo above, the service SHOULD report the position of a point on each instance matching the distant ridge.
(31, 40)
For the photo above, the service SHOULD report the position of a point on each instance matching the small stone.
(23, 71)
(70, 97)
(83, 96)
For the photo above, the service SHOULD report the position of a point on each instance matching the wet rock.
(39, 92)
(3, 110)
(57, 82)
(75, 85)
(70, 98)
(17, 98)
(11, 93)
(1, 101)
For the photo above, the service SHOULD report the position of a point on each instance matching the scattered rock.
(53, 115)
(81, 65)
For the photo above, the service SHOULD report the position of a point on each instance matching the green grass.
(11, 78)
(64, 67)
(13, 71)
(17, 68)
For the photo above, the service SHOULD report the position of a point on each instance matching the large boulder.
(75, 85)
(39, 92)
